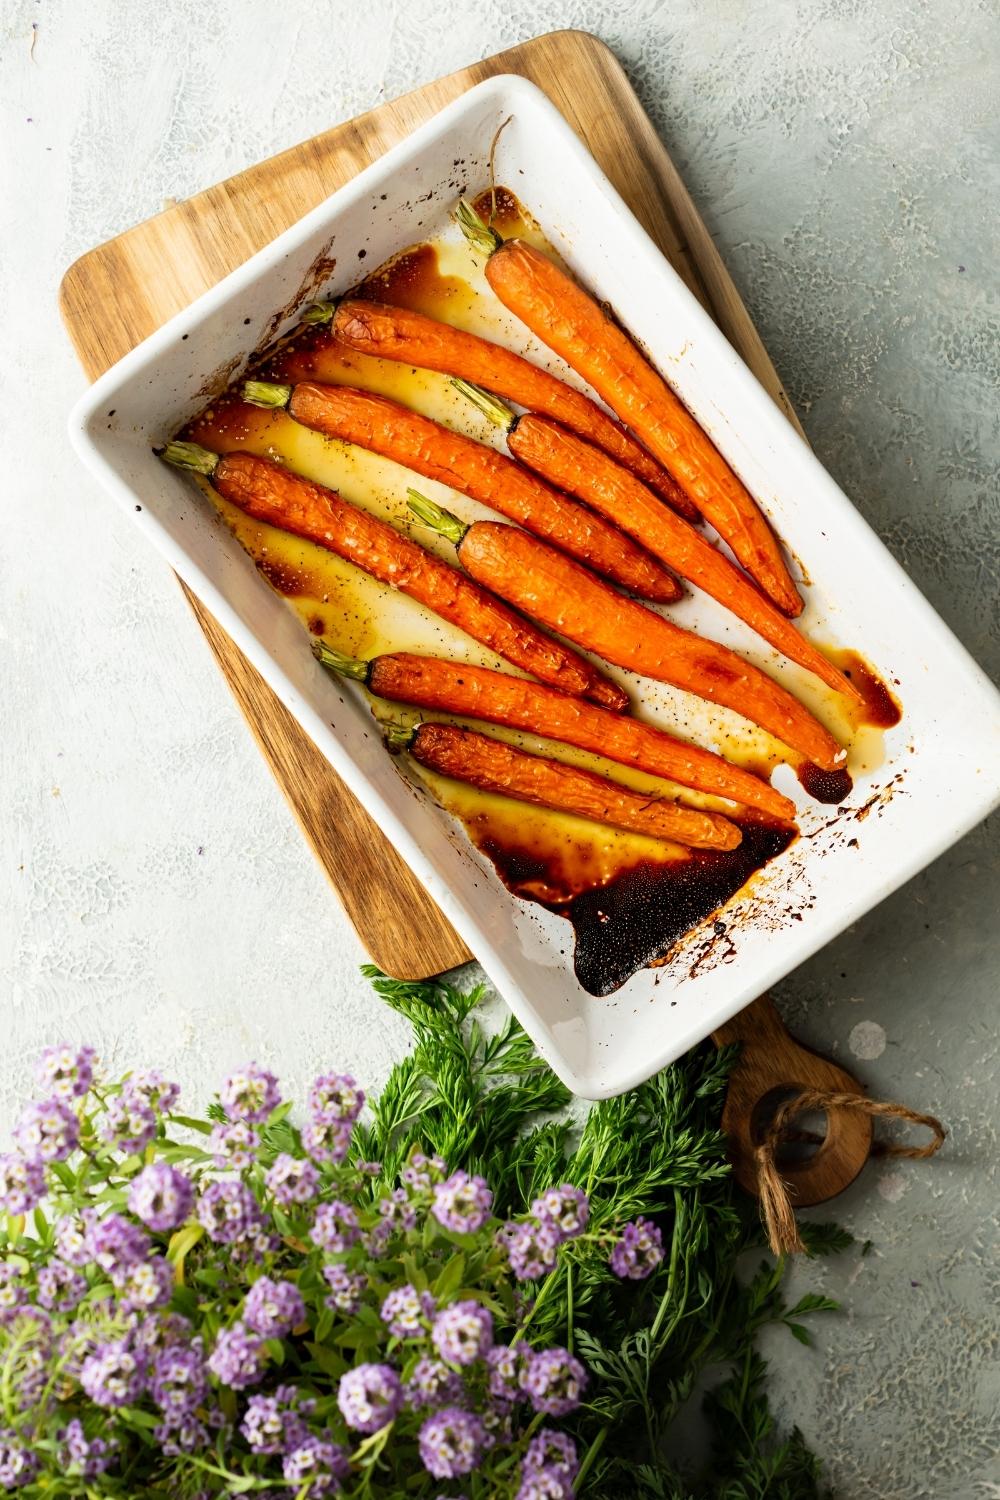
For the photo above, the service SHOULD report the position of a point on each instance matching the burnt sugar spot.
(880, 708)
(414, 279)
(640, 915)
(290, 580)
(502, 210)
(636, 917)
(824, 786)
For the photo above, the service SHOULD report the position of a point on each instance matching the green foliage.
(658, 1152)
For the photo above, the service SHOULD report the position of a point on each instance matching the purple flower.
(532, 1249)
(346, 1288)
(462, 1203)
(186, 1436)
(22, 1183)
(149, 1088)
(273, 1308)
(451, 1442)
(335, 1226)
(234, 1145)
(405, 1309)
(420, 1171)
(567, 1208)
(274, 1424)
(13, 1291)
(237, 1359)
(433, 1384)
(335, 1099)
(179, 1384)
(65, 1071)
(83, 1457)
(369, 1397)
(504, 1365)
(397, 1211)
(129, 1123)
(462, 1332)
(554, 1381)
(251, 1093)
(318, 1463)
(229, 1212)
(116, 1245)
(114, 1375)
(72, 1232)
(161, 1196)
(292, 1179)
(551, 1450)
(148, 1284)
(544, 1484)
(49, 1130)
(60, 1286)
(327, 1142)
(18, 1465)
(639, 1251)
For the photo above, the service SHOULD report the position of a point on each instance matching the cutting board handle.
(771, 1067)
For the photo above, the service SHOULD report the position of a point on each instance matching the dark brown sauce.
(880, 708)
(290, 580)
(230, 423)
(824, 786)
(413, 279)
(501, 210)
(635, 918)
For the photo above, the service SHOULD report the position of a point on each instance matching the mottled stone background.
(154, 893)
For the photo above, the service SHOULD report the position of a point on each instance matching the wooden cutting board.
(118, 294)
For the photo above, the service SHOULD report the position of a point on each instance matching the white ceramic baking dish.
(941, 773)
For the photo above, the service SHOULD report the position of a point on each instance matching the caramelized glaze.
(629, 899)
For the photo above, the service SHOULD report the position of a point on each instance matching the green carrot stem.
(347, 666)
(189, 456)
(319, 312)
(478, 233)
(436, 517)
(266, 393)
(400, 736)
(491, 406)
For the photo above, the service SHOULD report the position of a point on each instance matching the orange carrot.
(271, 494)
(383, 426)
(575, 326)
(409, 337)
(431, 682)
(494, 766)
(564, 460)
(556, 591)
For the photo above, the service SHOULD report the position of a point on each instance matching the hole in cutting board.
(807, 1132)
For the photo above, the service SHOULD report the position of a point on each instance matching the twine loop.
(775, 1202)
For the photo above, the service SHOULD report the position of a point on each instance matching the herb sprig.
(656, 1151)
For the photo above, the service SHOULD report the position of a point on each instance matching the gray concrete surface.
(154, 893)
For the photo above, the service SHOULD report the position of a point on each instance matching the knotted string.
(775, 1203)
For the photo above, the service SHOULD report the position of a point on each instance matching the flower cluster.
(248, 1298)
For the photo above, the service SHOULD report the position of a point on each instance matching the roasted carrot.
(565, 460)
(556, 591)
(431, 682)
(383, 426)
(274, 495)
(494, 766)
(408, 337)
(575, 326)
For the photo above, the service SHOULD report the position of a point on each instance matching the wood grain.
(119, 293)
(772, 1065)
